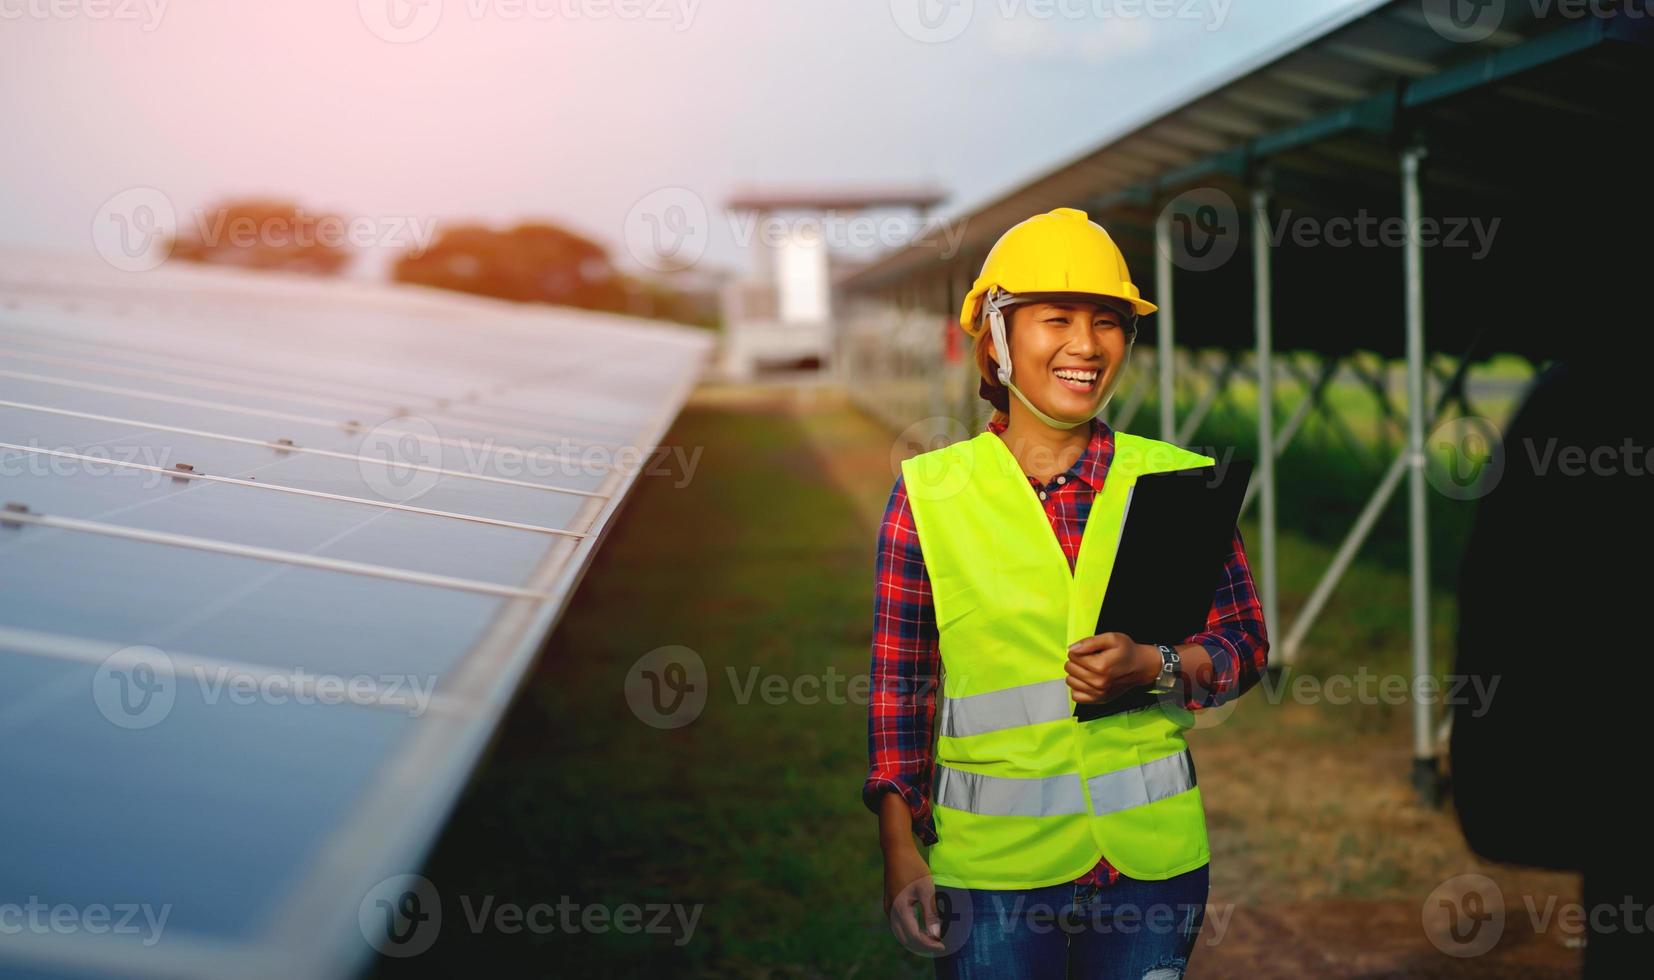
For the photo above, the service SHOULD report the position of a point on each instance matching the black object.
(1178, 530)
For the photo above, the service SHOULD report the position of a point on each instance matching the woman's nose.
(1081, 341)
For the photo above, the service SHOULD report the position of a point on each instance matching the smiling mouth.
(1082, 380)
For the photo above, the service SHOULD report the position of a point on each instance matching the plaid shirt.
(907, 656)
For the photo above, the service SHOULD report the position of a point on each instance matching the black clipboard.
(1175, 539)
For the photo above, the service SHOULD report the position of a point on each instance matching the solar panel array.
(275, 555)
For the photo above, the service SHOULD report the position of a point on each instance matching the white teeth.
(1071, 375)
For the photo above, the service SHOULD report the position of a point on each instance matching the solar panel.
(275, 555)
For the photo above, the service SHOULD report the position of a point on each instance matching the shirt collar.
(1092, 465)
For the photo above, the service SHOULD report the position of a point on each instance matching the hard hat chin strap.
(1002, 354)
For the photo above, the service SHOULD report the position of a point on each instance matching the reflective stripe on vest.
(1027, 704)
(1011, 707)
(1055, 796)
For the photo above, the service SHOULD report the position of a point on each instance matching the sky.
(630, 121)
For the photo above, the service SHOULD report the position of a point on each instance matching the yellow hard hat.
(1060, 252)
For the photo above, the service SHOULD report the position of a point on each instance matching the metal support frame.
(1425, 772)
(1164, 321)
(1272, 442)
(1263, 314)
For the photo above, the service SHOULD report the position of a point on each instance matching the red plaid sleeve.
(1235, 635)
(905, 672)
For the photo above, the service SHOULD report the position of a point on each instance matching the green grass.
(751, 811)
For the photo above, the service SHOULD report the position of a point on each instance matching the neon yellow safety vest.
(1026, 795)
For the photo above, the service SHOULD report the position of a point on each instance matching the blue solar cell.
(548, 432)
(366, 477)
(232, 608)
(211, 812)
(272, 519)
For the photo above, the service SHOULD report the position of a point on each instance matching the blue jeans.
(1141, 930)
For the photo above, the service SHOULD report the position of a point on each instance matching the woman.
(1059, 848)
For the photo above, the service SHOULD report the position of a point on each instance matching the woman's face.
(1065, 355)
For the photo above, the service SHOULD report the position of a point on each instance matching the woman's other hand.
(907, 883)
(1107, 665)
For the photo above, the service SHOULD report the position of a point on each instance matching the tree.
(531, 263)
(266, 234)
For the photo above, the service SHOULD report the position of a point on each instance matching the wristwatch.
(1171, 667)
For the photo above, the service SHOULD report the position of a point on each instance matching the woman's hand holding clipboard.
(1176, 535)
